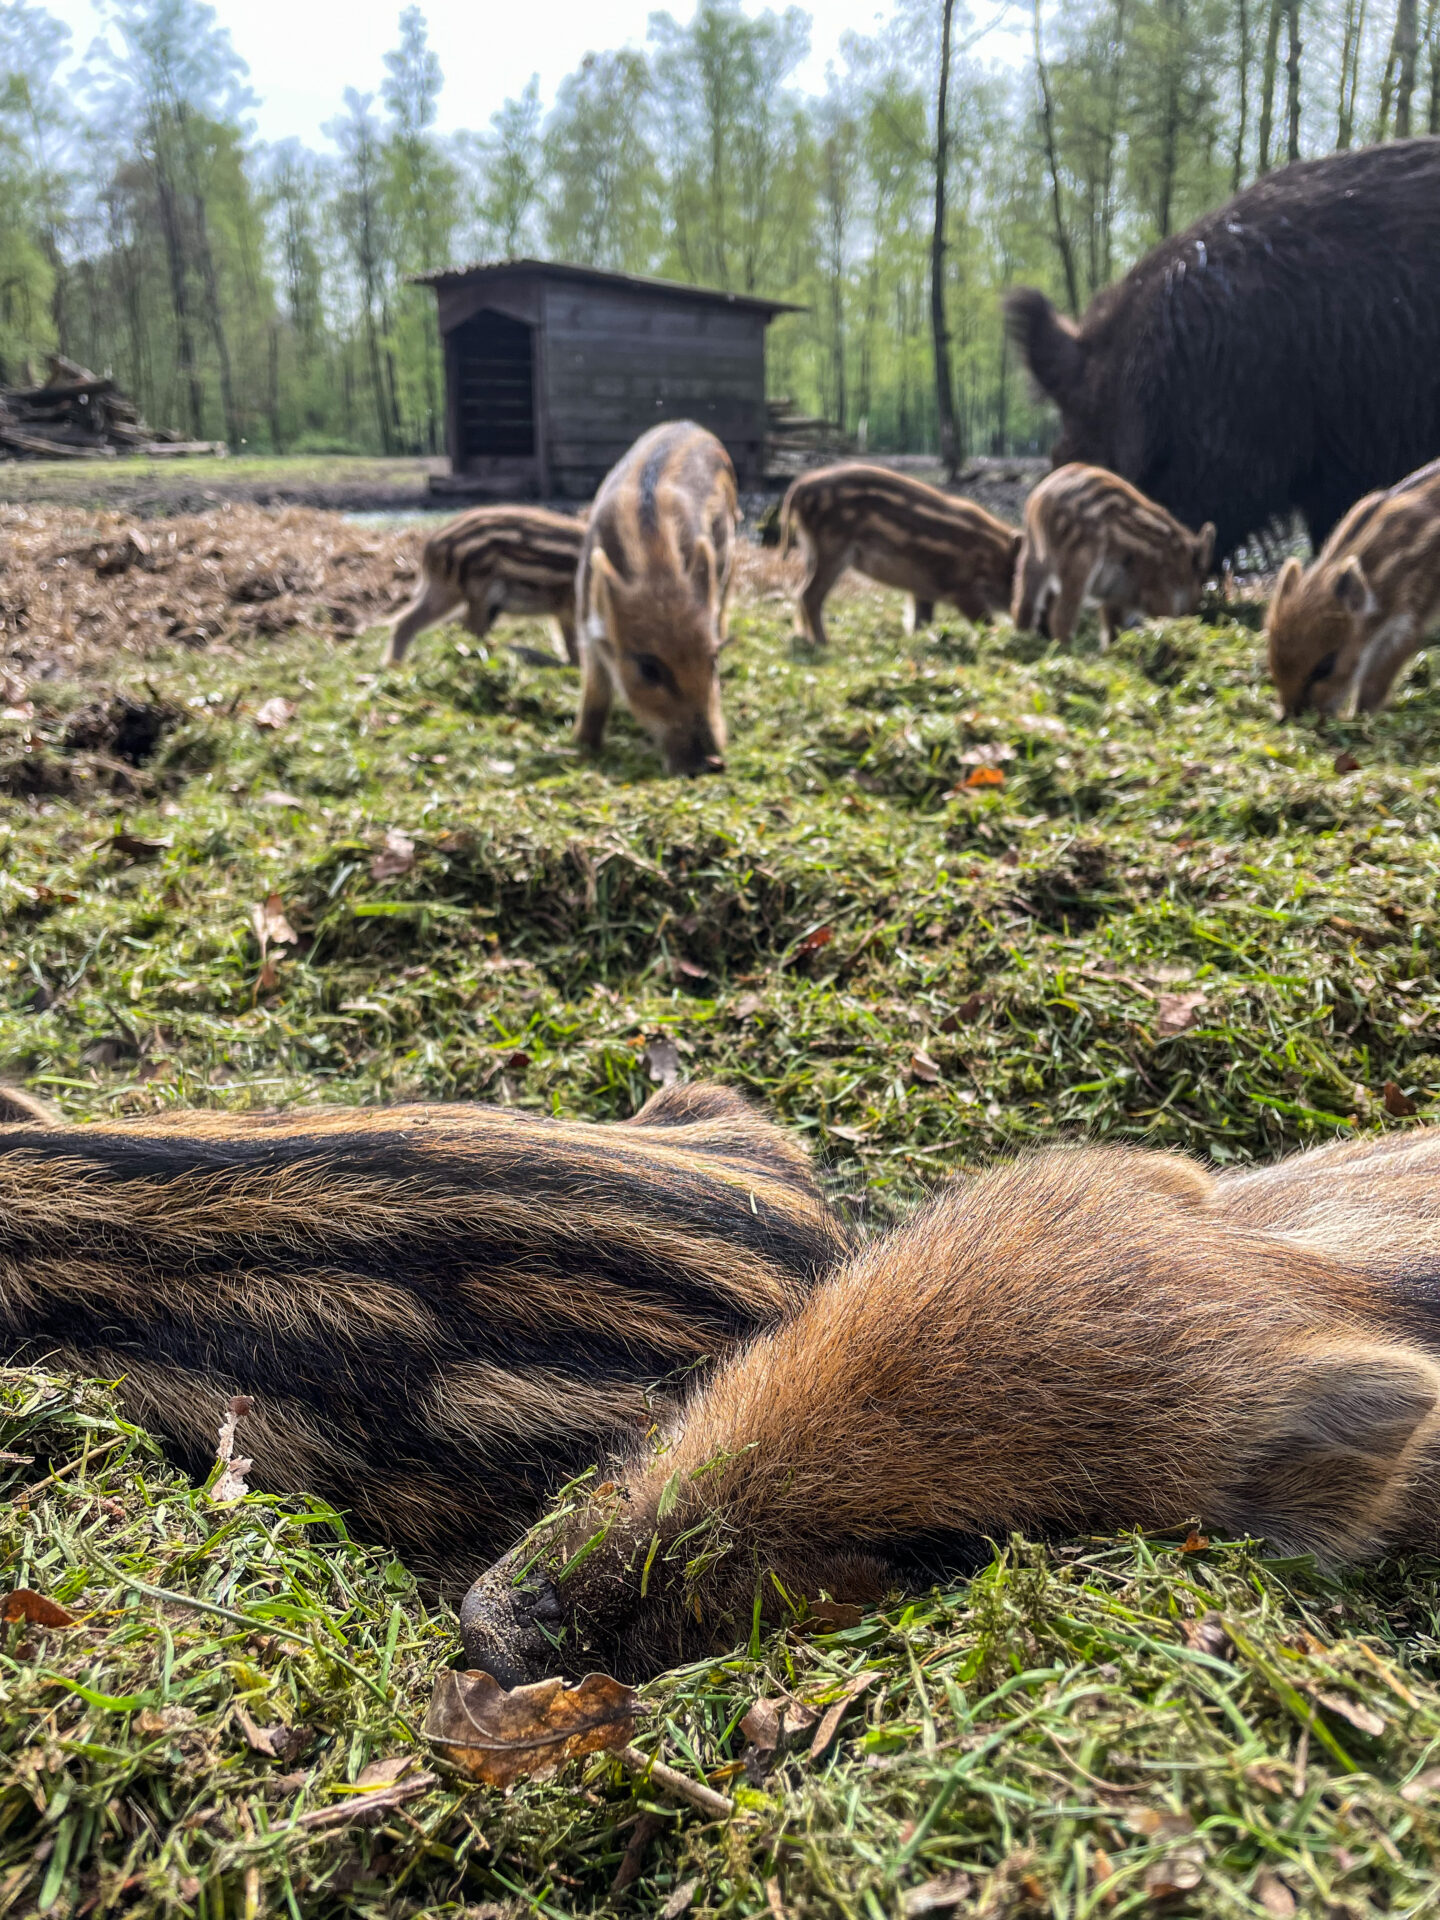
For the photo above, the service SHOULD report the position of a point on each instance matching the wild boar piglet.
(1092, 537)
(651, 593)
(900, 532)
(492, 561)
(1339, 631)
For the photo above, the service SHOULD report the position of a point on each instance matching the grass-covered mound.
(953, 896)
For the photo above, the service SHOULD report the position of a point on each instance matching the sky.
(302, 54)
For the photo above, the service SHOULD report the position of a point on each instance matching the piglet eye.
(651, 670)
(1322, 670)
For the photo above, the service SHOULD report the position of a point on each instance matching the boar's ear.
(1331, 1466)
(602, 588)
(1352, 589)
(703, 571)
(1205, 548)
(1289, 580)
(1051, 344)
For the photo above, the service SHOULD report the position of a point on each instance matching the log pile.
(795, 441)
(77, 415)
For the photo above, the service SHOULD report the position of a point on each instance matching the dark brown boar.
(441, 1313)
(1084, 1341)
(651, 594)
(1282, 353)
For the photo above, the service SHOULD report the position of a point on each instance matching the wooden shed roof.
(482, 270)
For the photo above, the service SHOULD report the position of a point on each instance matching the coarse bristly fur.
(651, 593)
(441, 1313)
(495, 560)
(1083, 1341)
(1282, 354)
(1091, 536)
(1339, 631)
(901, 533)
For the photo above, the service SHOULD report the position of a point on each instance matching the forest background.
(261, 293)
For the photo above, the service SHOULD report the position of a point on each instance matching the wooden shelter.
(551, 372)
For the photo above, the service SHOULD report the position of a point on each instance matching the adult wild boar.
(1282, 353)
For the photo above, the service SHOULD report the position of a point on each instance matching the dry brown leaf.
(135, 846)
(967, 1011)
(1397, 1102)
(231, 1483)
(1208, 1635)
(830, 1616)
(153, 1721)
(1273, 1894)
(1195, 1541)
(773, 1724)
(1346, 763)
(923, 1067)
(938, 1895)
(34, 1609)
(1159, 1823)
(275, 1743)
(662, 1058)
(397, 856)
(1177, 1011)
(384, 1773)
(530, 1733)
(830, 1725)
(1363, 1718)
(813, 941)
(984, 777)
(275, 714)
(271, 926)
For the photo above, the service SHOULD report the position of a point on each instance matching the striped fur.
(652, 590)
(1092, 537)
(1083, 1341)
(900, 532)
(441, 1312)
(491, 561)
(1339, 631)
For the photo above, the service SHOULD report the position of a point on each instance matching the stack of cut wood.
(77, 415)
(795, 440)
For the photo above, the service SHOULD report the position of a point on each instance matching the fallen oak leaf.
(984, 777)
(499, 1737)
(1397, 1102)
(275, 1743)
(34, 1609)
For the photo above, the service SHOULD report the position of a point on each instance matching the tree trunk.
(216, 321)
(1112, 134)
(1047, 127)
(950, 450)
(1292, 84)
(1404, 48)
(1267, 84)
(1237, 166)
(1170, 130)
(1432, 40)
(274, 387)
(178, 268)
(1349, 72)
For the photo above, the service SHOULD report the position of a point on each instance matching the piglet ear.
(1289, 580)
(602, 589)
(1329, 1467)
(1352, 589)
(703, 571)
(1205, 548)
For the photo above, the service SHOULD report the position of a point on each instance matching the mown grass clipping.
(954, 895)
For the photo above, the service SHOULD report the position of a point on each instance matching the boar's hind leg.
(434, 600)
(1027, 609)
(562, 627)
(596, 693)
(825, 570)
(1064, 611)
(918, 613)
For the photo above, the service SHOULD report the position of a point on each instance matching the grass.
(915, 975)
(183, 485)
